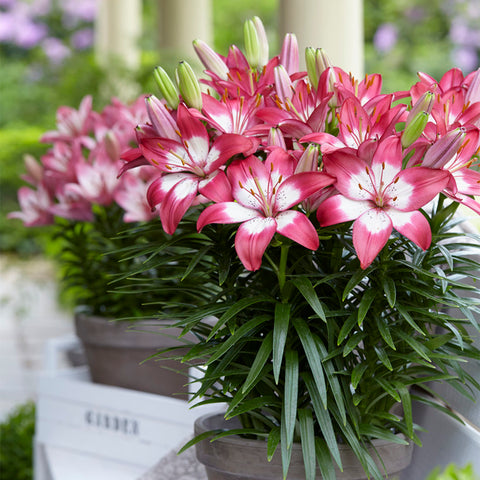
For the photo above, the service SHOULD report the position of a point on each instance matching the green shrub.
(16, 443)
(452, 472)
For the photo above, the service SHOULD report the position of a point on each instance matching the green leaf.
(390, 389)
(324, 460)
(291, 394)
(357, 374)
(355, 280)
(407, 406)
(323, 418)
(390, 290)
(353, 342)
(235, 310)
(307, 436)
(286, 451)
(365, 304)
(305, 287)
(273, 441)
(199, 438)
(384, 330)
(313, 357)
(280, 331)
(195, 260)
(382, 355)
(417, 346)
(261, 358)
(382, 433)
(239, 333)
(409, 319)
(238, 431)
(347, 328)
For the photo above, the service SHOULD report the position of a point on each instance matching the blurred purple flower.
(55, 50)
(29, 34)
(7, 3)
(82, 39)
(465, 58)
(385, 37)
(76, 11)
(7, 27)
(459, 31)
(40, 8)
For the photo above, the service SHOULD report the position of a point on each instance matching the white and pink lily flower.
(265, 194)
(190, 167)
(35, 207)
(380, 197)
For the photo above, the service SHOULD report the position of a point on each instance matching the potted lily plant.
(330, 253)
(75, 187)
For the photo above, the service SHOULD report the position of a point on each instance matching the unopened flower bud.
(167, 87)
(473, 92)
(275, 138)
(423, 105)
(317, 62)
(283, 84)
(414, 129)
(112, 146)
(160, 118)
(308, 162)
(34, 170)
(289, 54)
(444, 149)
(256, 43)
(189, 86)
(210, 59)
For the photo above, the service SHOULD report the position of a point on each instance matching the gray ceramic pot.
(115, 354)
(234, 458)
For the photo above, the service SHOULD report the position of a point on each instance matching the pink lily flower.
(35, 207)
(380, 196)
(264, 194)
(191, 167)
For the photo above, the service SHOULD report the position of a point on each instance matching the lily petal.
(296, 226)
(371, 232)
(252, 239)
(339, 209)
(412, 225)
(225, 212)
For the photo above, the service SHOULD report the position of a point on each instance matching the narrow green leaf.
(347, 328)
(286, 451)
(195, 260)
(272, 442)
(313, 357)
(365, 304)
(307, 437)
(409, 319)
(407, 406)
(291, 394)
(238, 431)
(353, 342)
(280, 331)
(416, 345)
(357, 374)
(382, 355)
(390, 389)
(239, 333)
(199, 438)
(261, 358)
(384, 330)
(235, 310)
(323, 418)
(355, 280)
(324, 460)
(390, 291)
(384, 434)
(305, 287)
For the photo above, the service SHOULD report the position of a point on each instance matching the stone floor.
(29, 316)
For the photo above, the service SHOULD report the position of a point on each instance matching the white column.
(117, 32)
(181, 22)
(334, 25)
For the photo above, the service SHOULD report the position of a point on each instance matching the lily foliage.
(318, 216)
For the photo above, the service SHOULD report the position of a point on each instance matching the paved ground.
(29, 316)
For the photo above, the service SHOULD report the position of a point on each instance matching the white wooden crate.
(82, 426)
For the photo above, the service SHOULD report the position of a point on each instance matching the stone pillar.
(334, 25)
(181, 22)
(118, 28)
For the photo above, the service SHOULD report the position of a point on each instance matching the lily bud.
(308, 162)
(160, 118)
(317, 62)
(417, 119)
(210, 59)
(414, 129)
(289, 54)
(34, 170)
(189, 86)
(167, 87)
(256, 43)
(283, 84)
(276, 138)
(473, 92)
(444, 149)
(112, 146)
